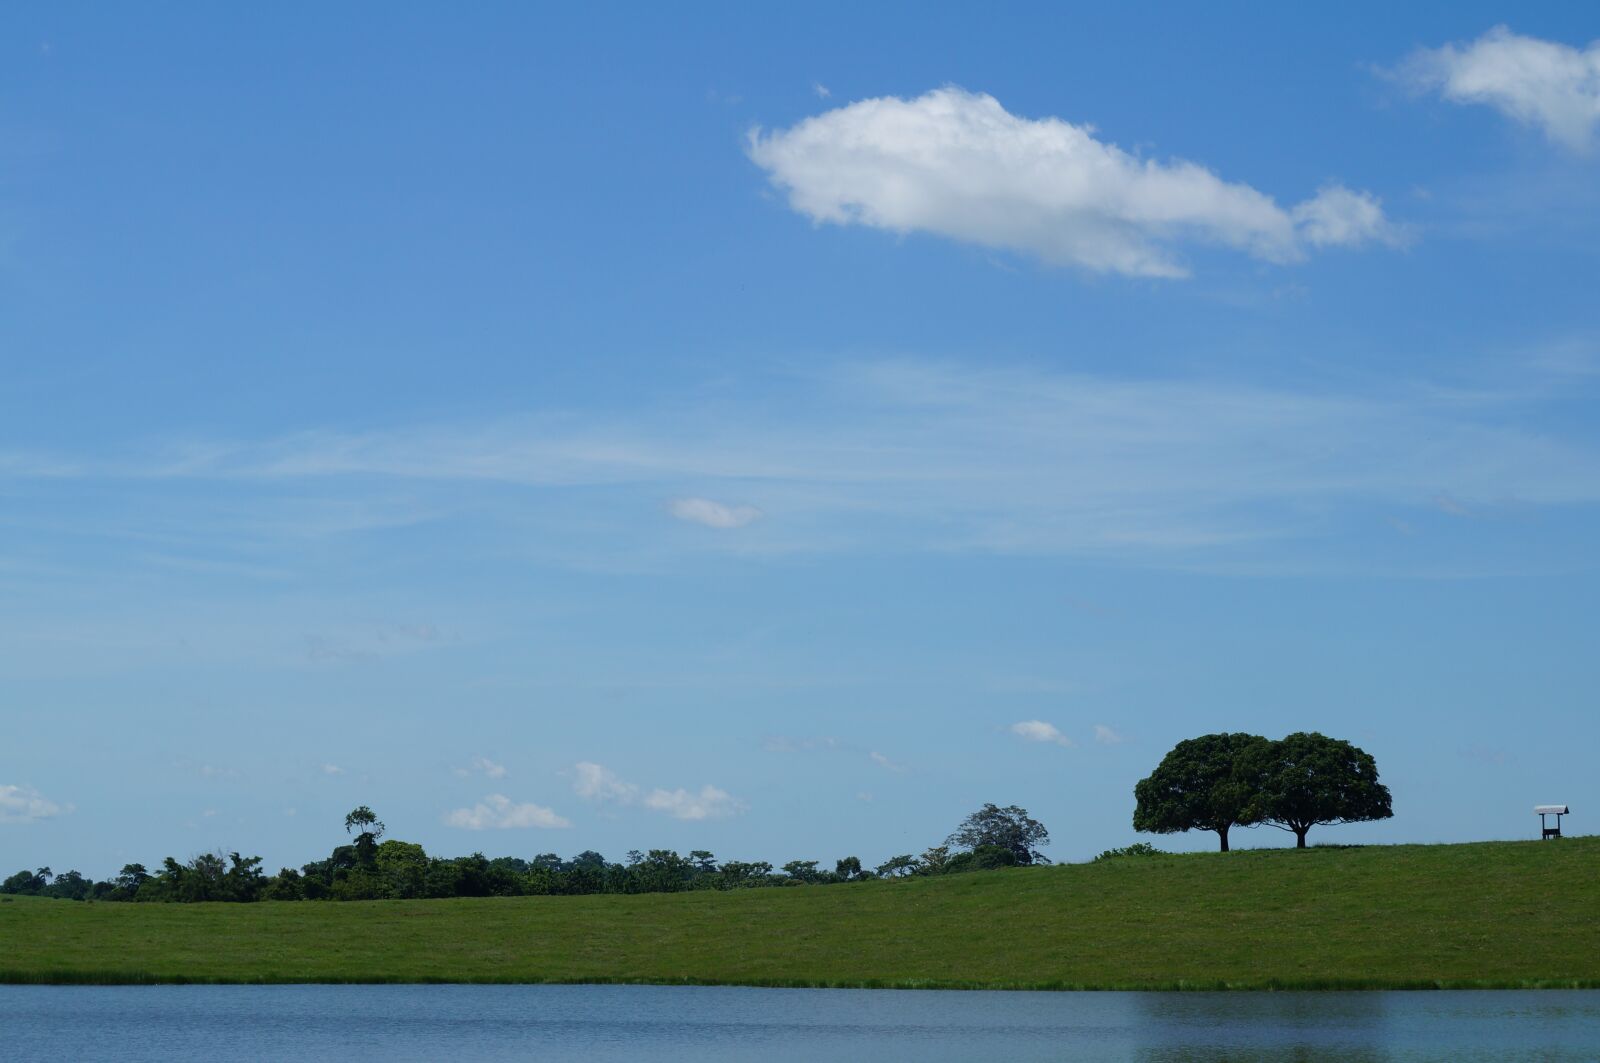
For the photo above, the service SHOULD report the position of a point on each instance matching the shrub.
(1136, 849)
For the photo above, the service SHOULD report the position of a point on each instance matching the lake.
(175, 1024)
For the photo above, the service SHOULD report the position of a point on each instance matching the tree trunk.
(1222, 832)
(1300, 837)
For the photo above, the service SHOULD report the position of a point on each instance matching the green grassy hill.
(1494, 914)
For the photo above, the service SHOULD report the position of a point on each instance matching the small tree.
(364, 818)
(1309, 779)
(367, 840)
(897, 866)
(1009, 828)
(130, 878)
(1199, 785)
(802, 870)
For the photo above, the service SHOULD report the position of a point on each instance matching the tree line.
(1214, 782)
(370, 868)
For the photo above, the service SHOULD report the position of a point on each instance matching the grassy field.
(1509, 914)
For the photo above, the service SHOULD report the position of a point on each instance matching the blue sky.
(779, 433)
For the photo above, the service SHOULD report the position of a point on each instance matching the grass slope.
(1509, 914)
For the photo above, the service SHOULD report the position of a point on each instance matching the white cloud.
(708, 803)
(484, 766)
(332, 769)
(884, 762)
(24, 804)
(957, 164)
(921, 455)
(1106, 736)
(1338, 217)
(499, 812)
(712, 514)
(1546, 84)
(822, 91)
(1039, 731)
(597, 783)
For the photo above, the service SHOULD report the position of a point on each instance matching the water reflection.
(178, 1024)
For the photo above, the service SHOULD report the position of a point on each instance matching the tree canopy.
(1199, 786)
(1306, 779)
(1009, 828)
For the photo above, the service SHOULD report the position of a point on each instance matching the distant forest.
(369, 868)
(1215, 782)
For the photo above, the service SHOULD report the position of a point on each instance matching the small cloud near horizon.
(884, 762)
(483, 766)
(499, 812)
(1040, 731)
(1106, 736)
(599, 784)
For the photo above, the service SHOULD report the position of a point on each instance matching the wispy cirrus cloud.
(949, 456)
(828, 744)
(959, 165)
(1551, 86)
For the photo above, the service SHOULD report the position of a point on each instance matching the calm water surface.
(178, 1024)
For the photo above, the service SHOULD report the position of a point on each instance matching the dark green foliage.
(1308, 779)
(286, 885)
(802, 870)
(367, 870)
(897, 866)
(27, 883)
(983, 858)
(130, 880)
(1008, 828)
(1198, 786)
(1136, 849)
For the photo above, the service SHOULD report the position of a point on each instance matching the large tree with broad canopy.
(1307, 779)
(1199, 785)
